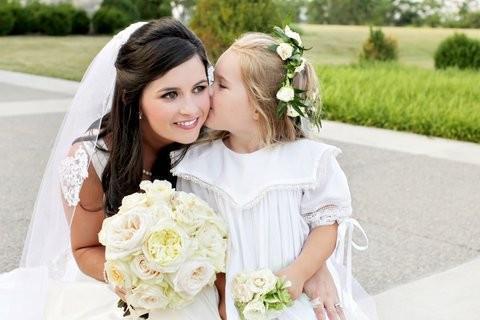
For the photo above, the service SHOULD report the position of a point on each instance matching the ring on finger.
(338, 305)
(316, 303)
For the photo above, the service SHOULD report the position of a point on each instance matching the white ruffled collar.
(244, 179)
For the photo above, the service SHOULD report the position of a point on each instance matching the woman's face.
(175, 106)
(231, 109)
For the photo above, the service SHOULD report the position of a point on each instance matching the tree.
(153, 9)
(219, 22)
(350, 11)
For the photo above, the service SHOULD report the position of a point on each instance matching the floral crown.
(292, 101)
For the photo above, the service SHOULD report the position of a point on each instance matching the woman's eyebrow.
(175, 89)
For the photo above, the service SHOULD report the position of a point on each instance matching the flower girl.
(284, 195)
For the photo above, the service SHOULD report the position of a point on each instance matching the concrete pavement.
(416, 197)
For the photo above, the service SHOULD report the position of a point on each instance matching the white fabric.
(264, 197)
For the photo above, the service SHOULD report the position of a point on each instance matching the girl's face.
(231, 109)
(175, 106)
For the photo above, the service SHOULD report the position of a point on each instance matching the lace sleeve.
(73, 171)
(329, 201)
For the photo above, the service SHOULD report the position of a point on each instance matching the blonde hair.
(263, 72)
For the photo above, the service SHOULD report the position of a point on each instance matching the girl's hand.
(322, 290)
(292, 274)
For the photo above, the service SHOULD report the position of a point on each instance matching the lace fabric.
(73, 171)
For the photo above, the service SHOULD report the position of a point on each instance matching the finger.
(341, 314)
(331, 311)
(319, 313)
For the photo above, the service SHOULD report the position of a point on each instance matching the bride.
(149, 88)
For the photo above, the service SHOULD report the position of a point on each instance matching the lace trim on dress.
(326, 215)
(307, 185)
(73, 171)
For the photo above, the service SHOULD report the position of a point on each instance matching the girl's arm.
(318, 247)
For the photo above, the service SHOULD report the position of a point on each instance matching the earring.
(140, 115)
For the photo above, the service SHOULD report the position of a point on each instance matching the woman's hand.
(121, 293)
(222, 309)
(321, 289)
(295, 276)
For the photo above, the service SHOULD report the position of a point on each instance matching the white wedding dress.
(271, 199)
(30, 293)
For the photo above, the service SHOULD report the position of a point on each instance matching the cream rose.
(140, 267)
(119, 274)
(261, 281)
(255, 310)
(149, 297)
(122, 234)
(166, 246)
(286, 94)
(293, 35)
(241, 292)
(158, 192)
(192, 277)
(284, 50)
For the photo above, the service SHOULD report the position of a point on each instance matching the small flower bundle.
(291, 100)
(260, 295)
(163, 247)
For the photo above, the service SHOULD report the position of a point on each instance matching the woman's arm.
(85, 226)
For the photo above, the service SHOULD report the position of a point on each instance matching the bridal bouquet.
(260, 295)
(163, 247)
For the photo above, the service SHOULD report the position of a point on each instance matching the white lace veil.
(48, 239)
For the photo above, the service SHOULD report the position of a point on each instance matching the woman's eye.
(221, 86)
(170, 95)
(199, 89)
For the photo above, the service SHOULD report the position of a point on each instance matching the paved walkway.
(415, 196)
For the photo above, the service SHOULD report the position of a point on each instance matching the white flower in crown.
(284, 50)
(301, 67)
(285, 94)
(293, 35)
(291, 112)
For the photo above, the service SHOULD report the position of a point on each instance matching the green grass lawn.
(408, 96)
(405, 98)
(60, 57)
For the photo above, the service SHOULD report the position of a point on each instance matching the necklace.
(147, 173)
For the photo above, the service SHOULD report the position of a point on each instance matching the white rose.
(147, 296)
(191, 212)
(286, 94)
(291, 112)
(158, 192)
(192, 277)
(132, 201)
(140, 267)
(241, 291)
(301, 67)
(261, 281)
(255, 310)
(119, 274)
(293, 35)
(212, 245)
(122, 234)
(284, 50)
(166, 246)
